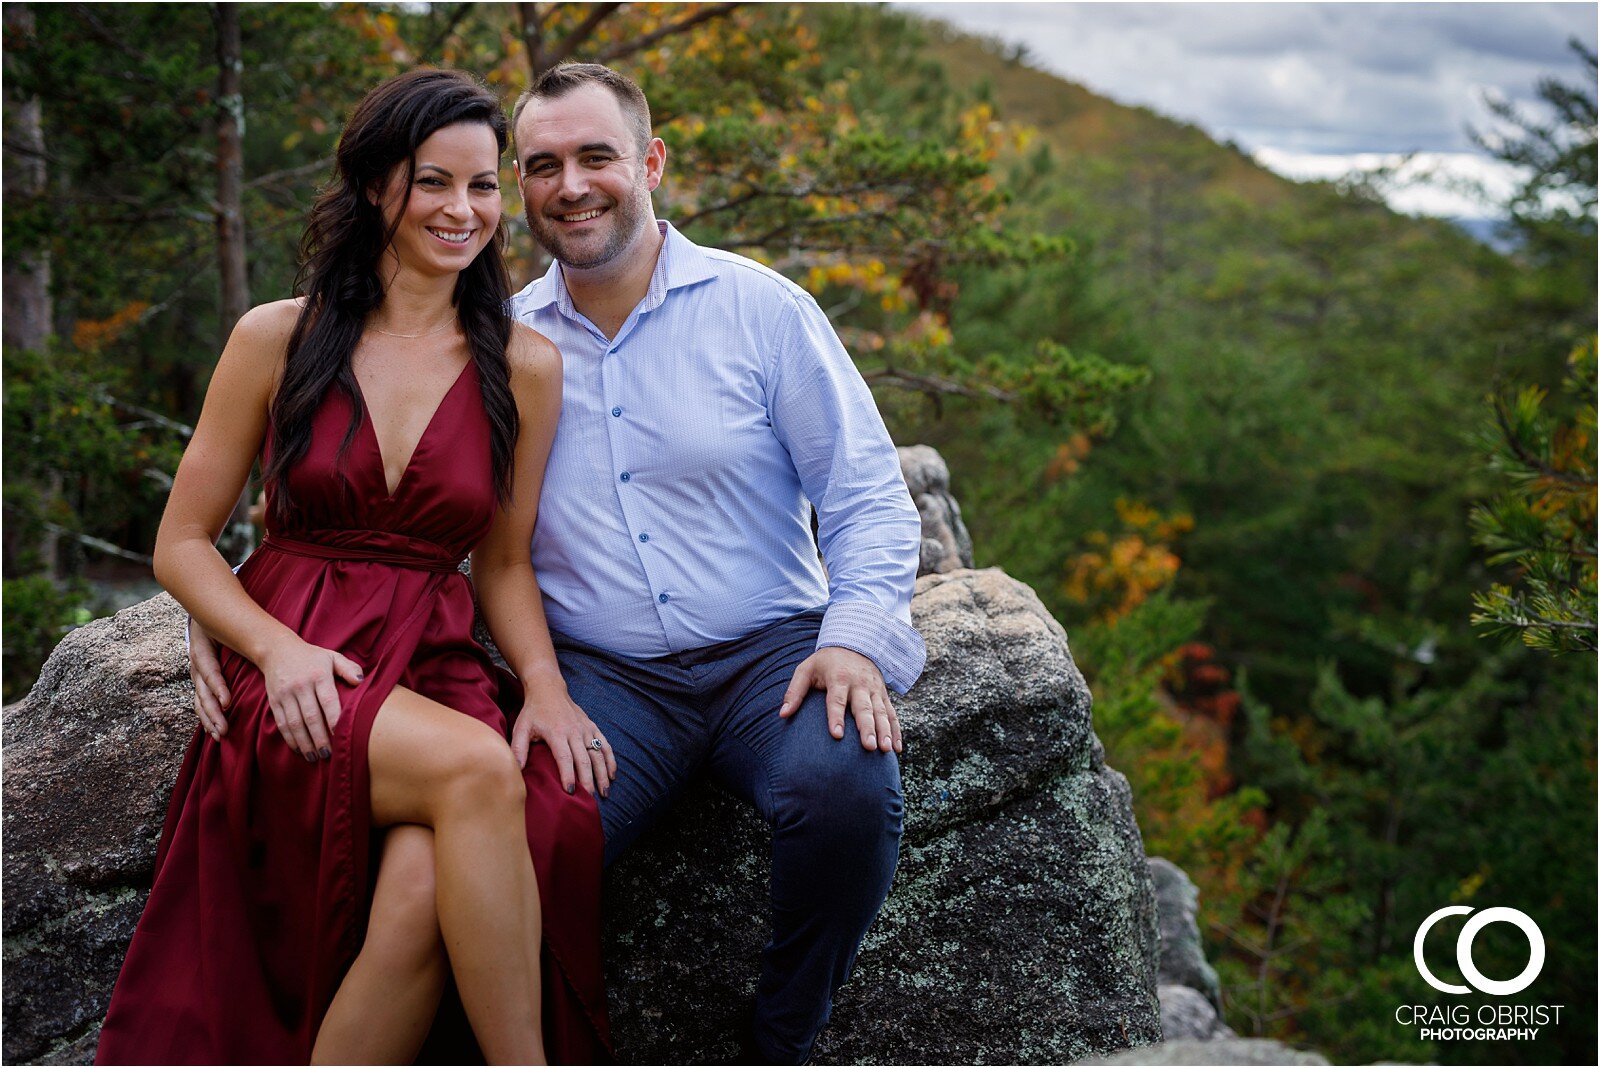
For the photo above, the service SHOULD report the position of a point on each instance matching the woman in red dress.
(363, 776)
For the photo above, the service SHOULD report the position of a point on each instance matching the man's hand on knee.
(853, 684)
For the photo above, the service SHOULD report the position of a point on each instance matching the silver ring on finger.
(597, 743)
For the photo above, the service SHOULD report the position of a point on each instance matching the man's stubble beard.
(627, 218)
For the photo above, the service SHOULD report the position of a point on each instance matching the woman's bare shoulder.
(259, 346)
(270, 323)
(532, 355)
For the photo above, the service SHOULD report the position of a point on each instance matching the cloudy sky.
(1313, 90)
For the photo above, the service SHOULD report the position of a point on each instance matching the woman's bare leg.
(433, 766)
(387, 1001)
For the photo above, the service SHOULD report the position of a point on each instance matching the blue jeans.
(833, 806)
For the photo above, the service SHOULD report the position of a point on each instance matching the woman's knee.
(480, 773)
(429, 762)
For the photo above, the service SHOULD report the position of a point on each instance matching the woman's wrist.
(271, 644)
(543, 681)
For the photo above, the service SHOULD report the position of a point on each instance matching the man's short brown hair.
(559, 81)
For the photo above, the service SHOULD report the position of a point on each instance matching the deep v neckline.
(377, 445)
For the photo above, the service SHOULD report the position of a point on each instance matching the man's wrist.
(892, 644)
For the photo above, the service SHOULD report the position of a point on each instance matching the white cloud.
(1312, 85)
(1449, 184)
(1318, 77)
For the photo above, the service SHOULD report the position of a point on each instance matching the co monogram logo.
(1469, 932)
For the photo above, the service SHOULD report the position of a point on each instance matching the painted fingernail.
(310, 758)
(325, 753)
(572, 789)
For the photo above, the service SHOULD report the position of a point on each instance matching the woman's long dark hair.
(341, 256)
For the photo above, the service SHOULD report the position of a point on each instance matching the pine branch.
(598, 13)
(274, 177)
(933, 385)
(99, 30)
(1526, 457)
(104, 397)
(99, 544)
(639, 44)
(443, 35)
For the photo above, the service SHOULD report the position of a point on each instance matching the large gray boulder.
(1021, 927)
(90, 757)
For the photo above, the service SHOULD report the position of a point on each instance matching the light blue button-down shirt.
(676, 504)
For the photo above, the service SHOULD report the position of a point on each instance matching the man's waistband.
(810, 619)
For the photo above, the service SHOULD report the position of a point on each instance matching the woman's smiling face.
(453, 206)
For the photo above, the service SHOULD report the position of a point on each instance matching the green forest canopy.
(1232, 428)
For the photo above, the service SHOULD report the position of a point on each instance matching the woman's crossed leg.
(438, 769)
(385, 1005)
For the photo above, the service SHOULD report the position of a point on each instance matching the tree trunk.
(239, 538)
(230, 169)
(27, 270)
(531, 23)
(26, 312)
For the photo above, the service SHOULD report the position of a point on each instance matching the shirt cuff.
(891, 643)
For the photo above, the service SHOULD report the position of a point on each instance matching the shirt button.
(626, 477)
(644, 537)
(616, 411)
(663, 598)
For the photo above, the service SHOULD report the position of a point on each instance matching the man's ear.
(655, 163)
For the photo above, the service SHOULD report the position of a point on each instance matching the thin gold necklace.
(413, 337)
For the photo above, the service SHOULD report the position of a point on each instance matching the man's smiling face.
(586, 180)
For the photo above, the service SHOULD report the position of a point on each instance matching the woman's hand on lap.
(549, 715)
(303, 694)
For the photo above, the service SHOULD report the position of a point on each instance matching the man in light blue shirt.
(708, 407)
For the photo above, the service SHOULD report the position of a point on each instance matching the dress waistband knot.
(401, 555)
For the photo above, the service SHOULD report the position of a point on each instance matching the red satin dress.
(266, 864)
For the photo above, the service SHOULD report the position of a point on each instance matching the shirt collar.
(681, 263)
